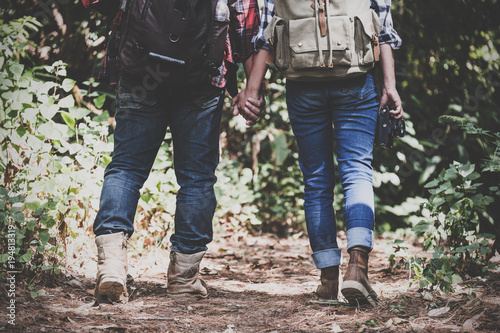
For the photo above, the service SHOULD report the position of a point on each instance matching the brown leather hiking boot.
(183, 275)
(356, 287)
(329, 287)
(111, 284)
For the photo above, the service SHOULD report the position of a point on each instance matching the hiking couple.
(325, 49)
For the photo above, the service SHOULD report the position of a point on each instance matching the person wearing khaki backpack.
(326, 50)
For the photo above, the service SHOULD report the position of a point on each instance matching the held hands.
(249, 104)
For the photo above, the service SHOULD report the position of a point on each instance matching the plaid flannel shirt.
(244, 24)
(382, 7)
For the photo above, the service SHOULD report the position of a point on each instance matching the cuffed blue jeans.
(351, 106)
(142, 118)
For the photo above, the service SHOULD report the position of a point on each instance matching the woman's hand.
(390, 97)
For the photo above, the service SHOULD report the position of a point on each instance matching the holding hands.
(250, 101)
(249, 105)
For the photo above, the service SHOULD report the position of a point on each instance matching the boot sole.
(111, 289)
(356, 293)
(186, 295)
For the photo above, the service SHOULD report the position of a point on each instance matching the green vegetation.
(439, 183)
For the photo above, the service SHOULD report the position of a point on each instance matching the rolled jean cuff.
(327, 258)
(359, 236)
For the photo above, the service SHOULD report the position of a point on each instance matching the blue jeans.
(142, 118)
(351, 105)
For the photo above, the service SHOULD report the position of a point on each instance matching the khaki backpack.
(323, 40)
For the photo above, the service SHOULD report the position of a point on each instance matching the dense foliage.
(57, 134)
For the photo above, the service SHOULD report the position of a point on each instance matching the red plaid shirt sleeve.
(244, 26)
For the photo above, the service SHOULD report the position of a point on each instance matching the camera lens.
(398, 128)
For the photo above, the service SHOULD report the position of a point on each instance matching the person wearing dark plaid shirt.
(351, 105)
(193, 114)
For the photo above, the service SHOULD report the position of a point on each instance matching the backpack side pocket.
(277, 35)
(366, 29)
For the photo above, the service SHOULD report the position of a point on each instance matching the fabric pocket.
(360, 87)
(305, 45)
(132, 94)
(208, 97)
(277, 35)
(366, 26)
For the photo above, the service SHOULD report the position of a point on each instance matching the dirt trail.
(257, 284)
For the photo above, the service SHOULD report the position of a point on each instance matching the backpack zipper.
(145, 9)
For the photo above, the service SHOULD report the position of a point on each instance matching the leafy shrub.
(454, 210)
(52, 157)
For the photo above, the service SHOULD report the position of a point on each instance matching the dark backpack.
(106, 7)
(177, 42)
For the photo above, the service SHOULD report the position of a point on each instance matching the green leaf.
(29, 115)
(79, 113)
(455, 278)
(50, 223)
(4, 257)
(68, 84)
(31, 224)
(422, 284)
(466, 169)
(99, 101)
(438, 201)
(32, 205)
(48, 110)
(16, 70)
(421, 227)
(44, 237)
(68, 119)
(66, 102)
(21, 131)
(19, 218)
(50, 131)
(432, 183)
(26, 257)
(473, 176)
(106, 159)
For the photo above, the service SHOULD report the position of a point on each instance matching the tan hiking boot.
(183, 275)
(111, 282)
(329, 287)
(356, 287)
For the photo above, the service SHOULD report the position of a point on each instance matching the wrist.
(387, 87)
(254, 89)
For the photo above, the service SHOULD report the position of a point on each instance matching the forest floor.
(256, 284)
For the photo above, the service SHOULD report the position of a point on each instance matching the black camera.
(389, 128)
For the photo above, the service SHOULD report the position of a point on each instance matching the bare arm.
(250, 101)
(390, 96)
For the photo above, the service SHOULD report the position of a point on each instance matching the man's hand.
(250, 102)
(249, 107)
